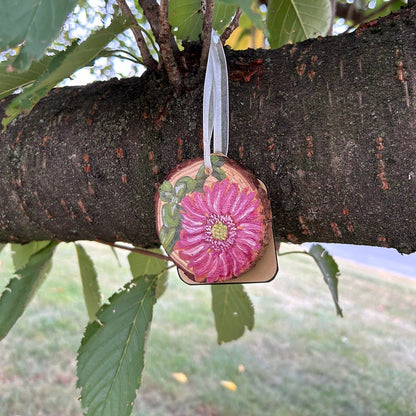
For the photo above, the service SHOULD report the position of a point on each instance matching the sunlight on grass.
(300, 358)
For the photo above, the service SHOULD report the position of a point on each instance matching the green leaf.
(218, 174)
(140, 264)
(169, 237)
(233, 311)
(170, 215)
(217, 161)
(184, 186)
(200, 179)
(166, 191)
(11, 81)
(21, 289)
(35, 22)
(290, 21)
(111, 356)
(62, 66)
(329, 269)
(185, 16)
(89, 282)
(21, 253)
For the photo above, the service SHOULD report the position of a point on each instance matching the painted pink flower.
(222, 231)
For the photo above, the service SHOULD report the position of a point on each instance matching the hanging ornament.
(213, 216)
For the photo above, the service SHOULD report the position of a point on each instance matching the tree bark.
(329, 126)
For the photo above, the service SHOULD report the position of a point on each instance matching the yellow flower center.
(219, 231)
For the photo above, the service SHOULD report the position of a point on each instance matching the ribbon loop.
(215, 102)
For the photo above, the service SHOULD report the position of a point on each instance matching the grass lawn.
(300, 358)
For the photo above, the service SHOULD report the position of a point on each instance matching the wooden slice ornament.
(213, 217)
(216, 225)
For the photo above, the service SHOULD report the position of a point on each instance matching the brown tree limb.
(147, 57)
(151, 11)
(158, 18)
(207, 14)
(327, 124)
(232, 26)
(166, 51)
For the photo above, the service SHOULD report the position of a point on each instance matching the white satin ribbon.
(215, 103)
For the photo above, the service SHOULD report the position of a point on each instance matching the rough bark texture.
(328, 125)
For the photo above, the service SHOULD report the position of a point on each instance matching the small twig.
(132, 55)
(294, 252)
(148, 59)
(231, 27)
(207, 14)
(136, 61)
(374, 14)
(166, 50)
(377, 12)
(137, 250)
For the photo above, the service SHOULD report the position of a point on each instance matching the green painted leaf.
(111, 356)
(170, 215)
(217, 161)
(89, 282)
(329, 269)
(21, 253)
(245, 6)
(62, 66)
(166, 191)
(218, 174)
(186, 18)
(233, 311)
(200, 179)
(20, 290)
(290, 21)
(141, 264)
(184, 186)
(35, 22)
(169, 237)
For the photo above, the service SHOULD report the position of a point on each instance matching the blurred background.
(300, 358)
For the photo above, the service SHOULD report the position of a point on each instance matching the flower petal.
(228, 199)
(193, 227)
(210, 268)
(242, 207)
(200, 204)
(190, 240)
(224, 265)
(251, 211)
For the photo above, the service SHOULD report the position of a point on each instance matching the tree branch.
(158, 19)
(147, 57)
(232, 26)
(207, 14)
(327, 124)
(166, 51)
(151, 11)
(349, 12)
(137, 250)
